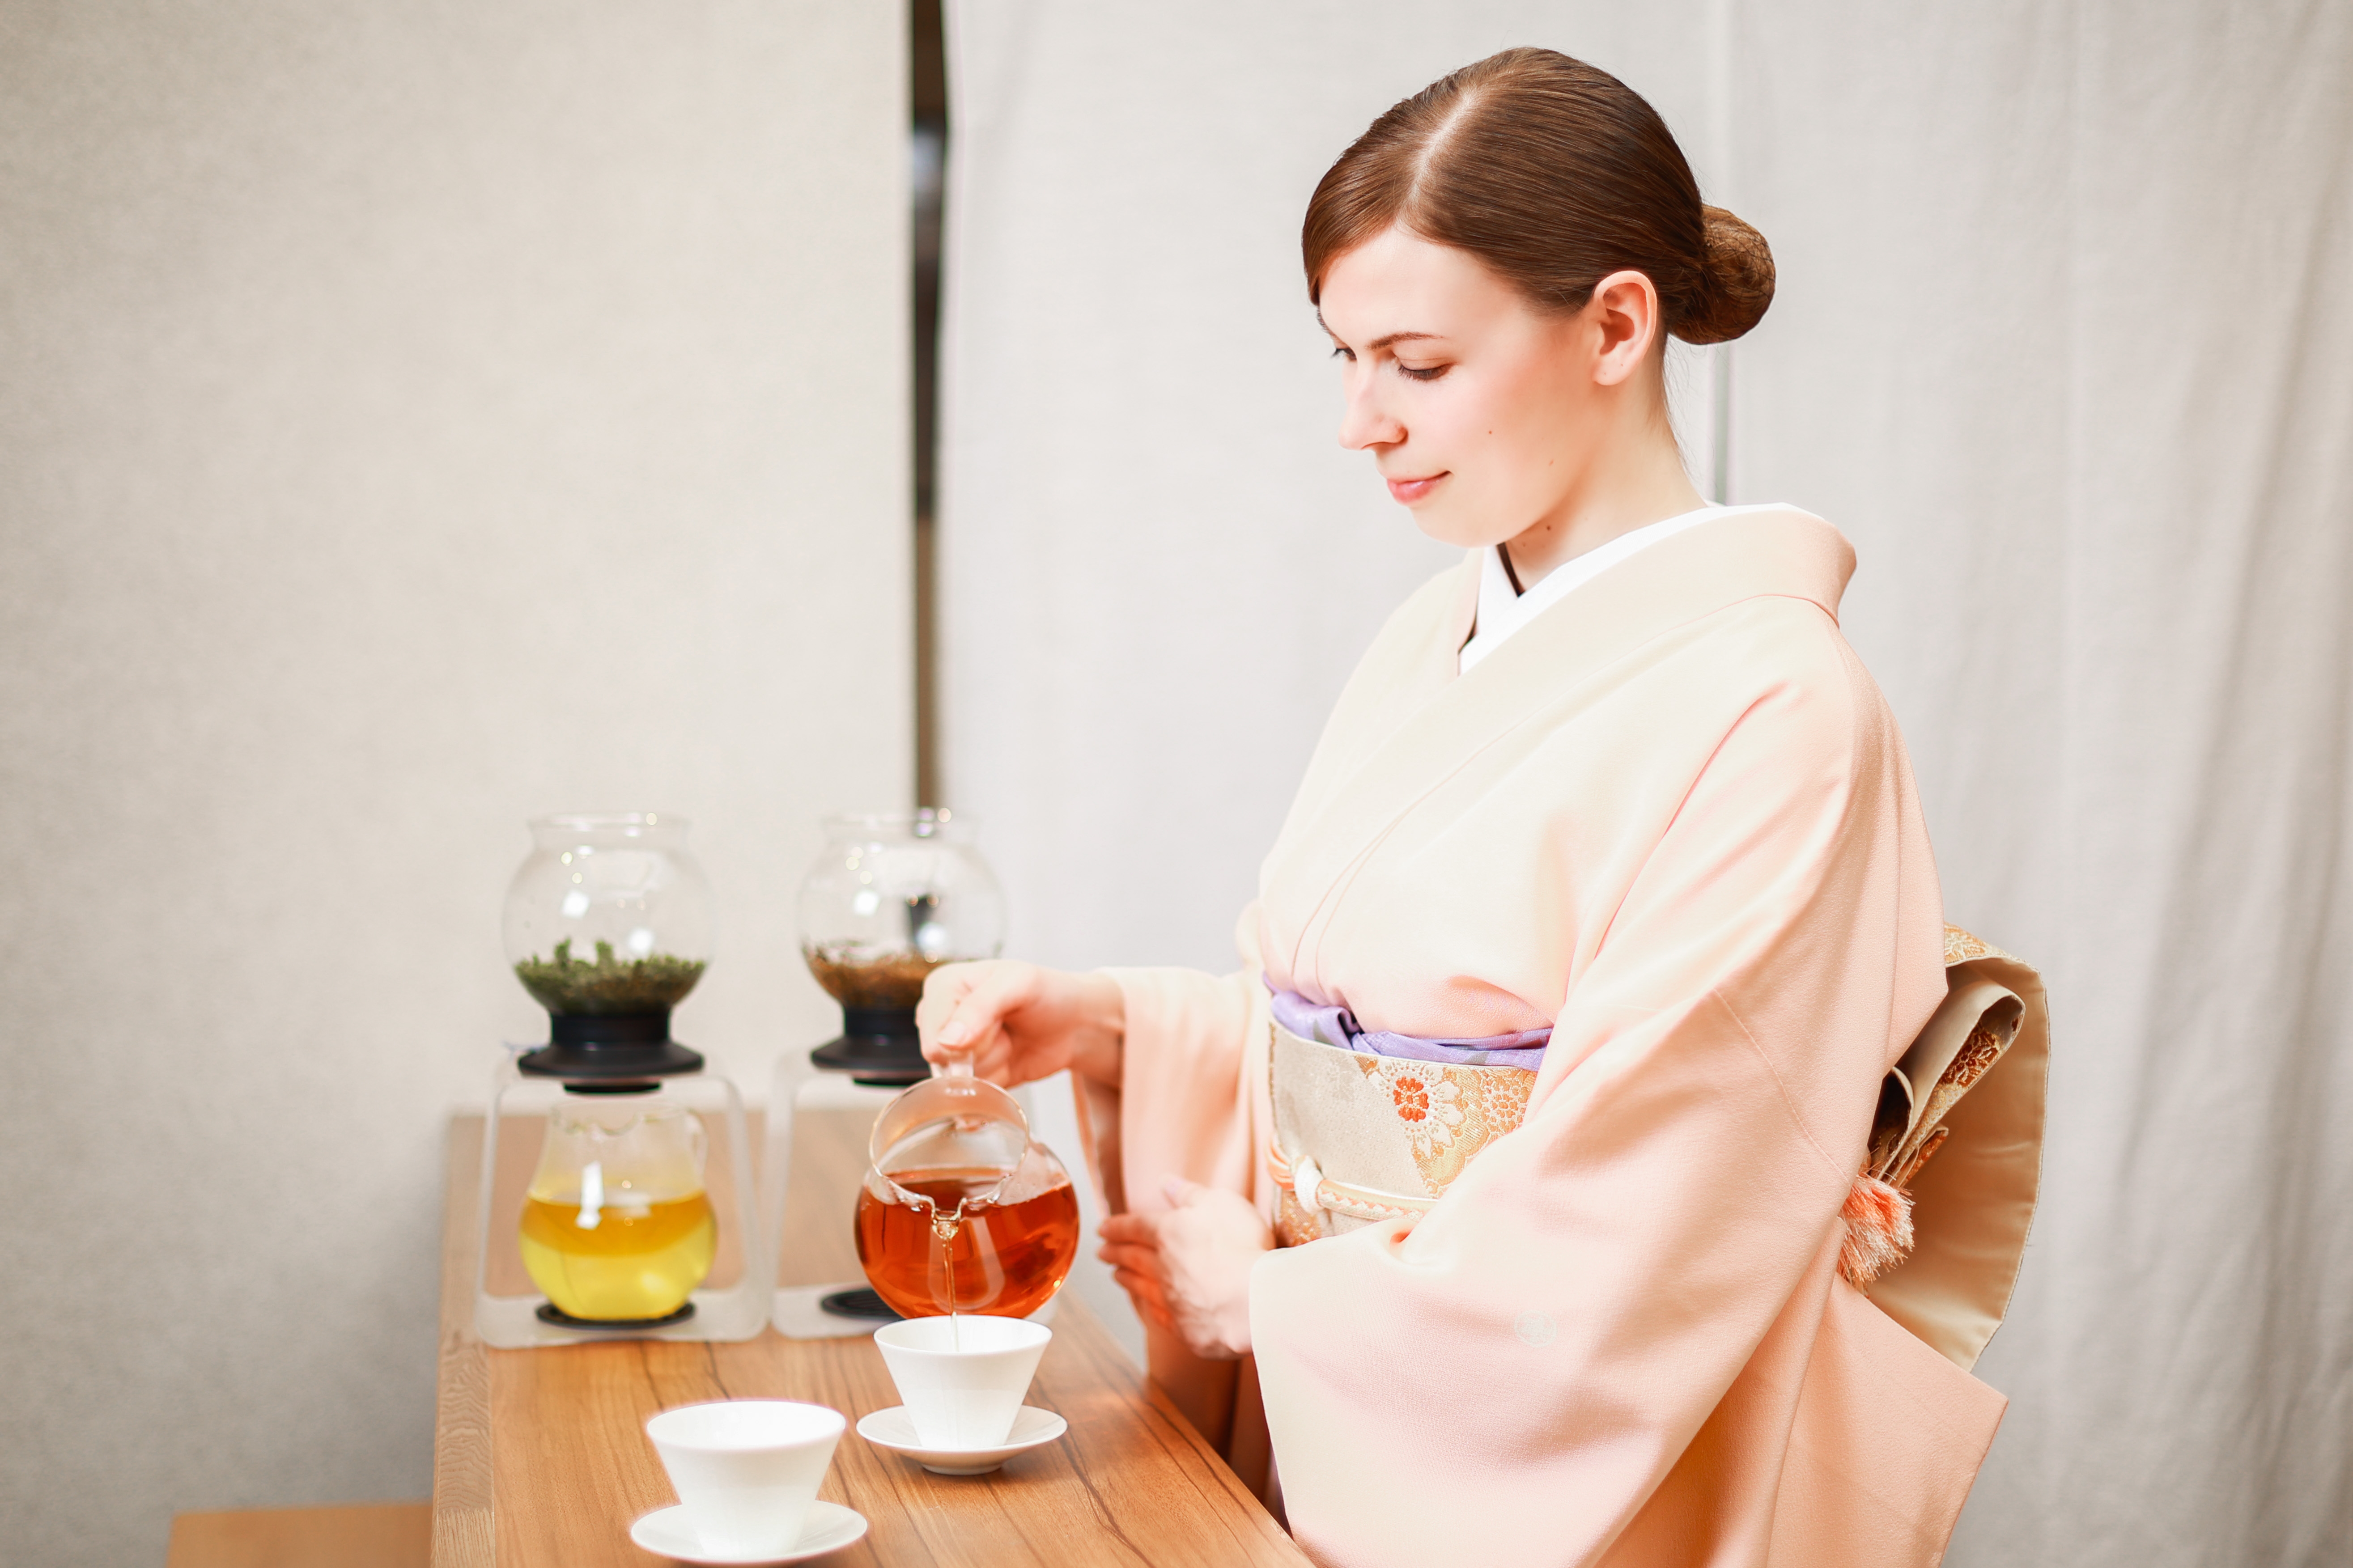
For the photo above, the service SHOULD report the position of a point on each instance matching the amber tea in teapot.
(961, 1210)
(961, 1251)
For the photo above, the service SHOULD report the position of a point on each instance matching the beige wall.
(412, 419)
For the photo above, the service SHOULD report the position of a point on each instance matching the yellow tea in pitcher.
(622, 1263)
(616, 1226)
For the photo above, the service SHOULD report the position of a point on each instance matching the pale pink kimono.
(1672, 818)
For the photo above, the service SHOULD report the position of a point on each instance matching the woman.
(1601, 915)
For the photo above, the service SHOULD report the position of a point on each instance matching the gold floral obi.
(1360, 1138)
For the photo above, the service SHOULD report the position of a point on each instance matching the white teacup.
(746, 1470)
(961, 1378)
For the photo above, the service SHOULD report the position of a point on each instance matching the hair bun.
(1735, 281)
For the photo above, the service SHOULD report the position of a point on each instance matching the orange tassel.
(1878, 1218)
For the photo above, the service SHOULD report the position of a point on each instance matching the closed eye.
(1343, 352)
(1422, 372)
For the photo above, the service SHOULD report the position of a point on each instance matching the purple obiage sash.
(1338, 1026)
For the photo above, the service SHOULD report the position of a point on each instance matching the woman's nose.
(1364, 422)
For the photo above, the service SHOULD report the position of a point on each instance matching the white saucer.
(894, 1430)
(829, 1528)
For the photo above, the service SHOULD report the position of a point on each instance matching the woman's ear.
(1624, 312)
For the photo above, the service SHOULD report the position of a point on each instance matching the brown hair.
(1555, 175)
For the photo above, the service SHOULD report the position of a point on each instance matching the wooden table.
(539, 1456)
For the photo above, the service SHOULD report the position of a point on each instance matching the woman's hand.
(1022, 1022)
(1188, 1269)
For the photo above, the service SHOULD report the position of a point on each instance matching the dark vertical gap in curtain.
(927, 151)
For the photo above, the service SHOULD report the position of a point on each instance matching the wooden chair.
(357, 1535)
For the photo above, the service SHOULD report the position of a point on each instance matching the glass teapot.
(617, 1228)
(962, 1211)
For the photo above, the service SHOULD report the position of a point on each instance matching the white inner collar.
(1503, 612)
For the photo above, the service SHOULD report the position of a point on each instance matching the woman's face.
(1482, 413)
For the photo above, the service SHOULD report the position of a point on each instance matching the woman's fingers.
(999, 987)
(1016, 1022)
(1211, 1220)
(1203, 1248)
(945, 991)
(963, 1010)
(941, 989)
(1130, 1245)
(1143, 1260)
(1130, 1229)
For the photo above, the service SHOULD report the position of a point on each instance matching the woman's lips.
(1408, 491)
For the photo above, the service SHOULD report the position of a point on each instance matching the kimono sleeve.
(1189, 1103)
(1185, 1105)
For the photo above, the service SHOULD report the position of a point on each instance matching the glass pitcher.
(962, 1211)
(617, 1228)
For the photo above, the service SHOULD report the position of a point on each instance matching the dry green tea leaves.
(654, 983)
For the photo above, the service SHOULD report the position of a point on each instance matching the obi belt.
(1372, 1127)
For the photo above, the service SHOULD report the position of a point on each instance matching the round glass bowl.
(892, 898)
(607, 925)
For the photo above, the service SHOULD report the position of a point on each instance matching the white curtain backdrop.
(2063, 342)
